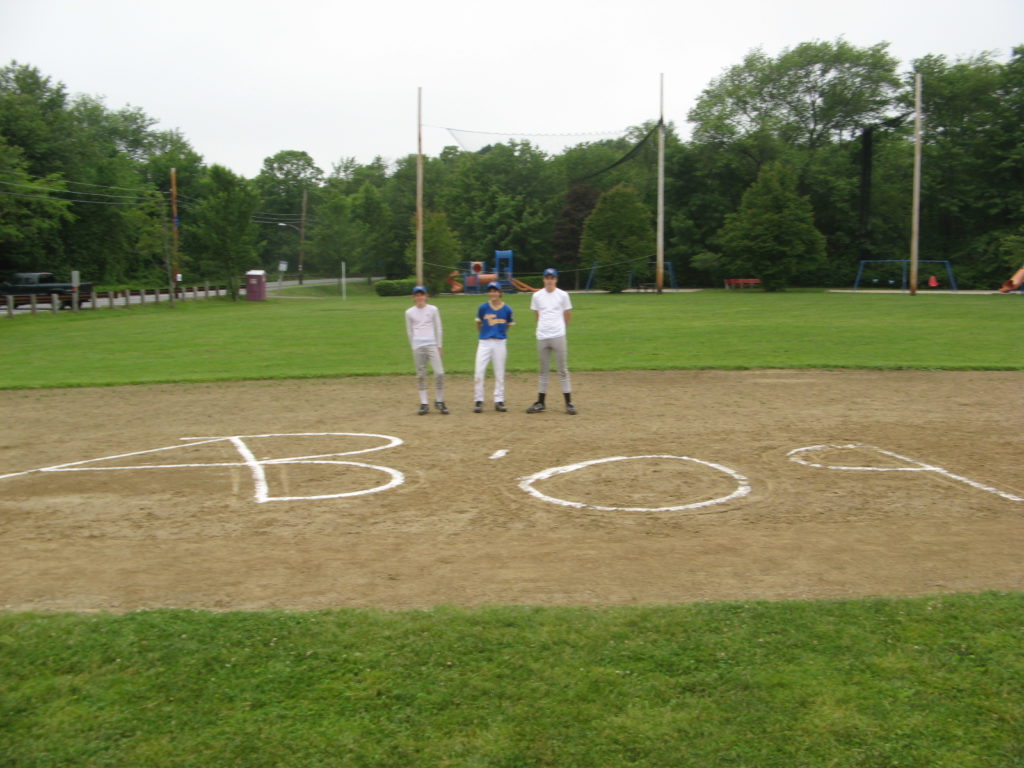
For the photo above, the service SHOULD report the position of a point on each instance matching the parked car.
(24, 285)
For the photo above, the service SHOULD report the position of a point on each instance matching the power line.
(53, 199)
(88, 184)
(41, 188)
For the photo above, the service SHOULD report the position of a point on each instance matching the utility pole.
(419, 186)
(660, 248)
(915, 219)
(174, 236)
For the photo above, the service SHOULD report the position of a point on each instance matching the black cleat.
(424, 410)
(536, 407)
(478, 407)
(570, 409)
(441, 407)
(500, 407)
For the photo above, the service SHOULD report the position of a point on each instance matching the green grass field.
(923, 682)
(323, 336)
(929, 682)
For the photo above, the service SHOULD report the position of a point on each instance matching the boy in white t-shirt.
(553, 309)
(423, 327)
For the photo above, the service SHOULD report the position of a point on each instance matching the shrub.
(401, 287)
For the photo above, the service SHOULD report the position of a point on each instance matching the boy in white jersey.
(423, 327)
(553, 309)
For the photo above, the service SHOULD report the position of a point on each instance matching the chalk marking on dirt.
(916, 466)
(500, 454)
(255, 466)
(526, 483)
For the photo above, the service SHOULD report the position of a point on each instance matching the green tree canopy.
(500, 199)
(441, 248)
(806, 96)
(772, 237)
(223, 238)
(618, 236)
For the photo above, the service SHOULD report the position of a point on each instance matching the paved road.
(191, 294)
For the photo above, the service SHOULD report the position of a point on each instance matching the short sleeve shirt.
(551, 307)
(494, 322)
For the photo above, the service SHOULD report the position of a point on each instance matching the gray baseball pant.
(421, 356)
(561, 349)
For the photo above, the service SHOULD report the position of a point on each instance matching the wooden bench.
(742, 282)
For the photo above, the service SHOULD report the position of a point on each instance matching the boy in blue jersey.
(493, 319)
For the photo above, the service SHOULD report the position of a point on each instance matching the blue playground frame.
(632, 275)
(905, 262)
(503, 268)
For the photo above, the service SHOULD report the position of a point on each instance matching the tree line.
(799, 166)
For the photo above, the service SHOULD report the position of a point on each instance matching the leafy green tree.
(349, 175)
(618, 236)
(441, 248)
(31, 212)
(973, 163)
(338, 236)
(568, 230)
(108, 186)
(807, 96)
(223, 239)
(502, 199)
(144, 250)
(35, 117)
(702, 185)
(101, 156)
(772, 236)
(806, 107)
(281, 182)
(399, 194)
(379, 247)
(285, 175)
(167, 150)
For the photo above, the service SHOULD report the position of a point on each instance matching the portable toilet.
(256, 285)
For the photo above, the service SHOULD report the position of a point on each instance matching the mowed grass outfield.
(316, 334)
(914, 682)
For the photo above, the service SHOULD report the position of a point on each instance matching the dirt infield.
(746, 495)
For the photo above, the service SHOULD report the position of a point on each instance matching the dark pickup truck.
(24, 285)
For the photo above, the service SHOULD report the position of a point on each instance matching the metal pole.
(915, 223)
(419, 186)
(174, 223)
(170, 273)
(660, 248)
(344, 284)
(302, 232)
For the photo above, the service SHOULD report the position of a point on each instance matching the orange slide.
(483, 279)
(519, 285)
(1014, 282)
(454, 284)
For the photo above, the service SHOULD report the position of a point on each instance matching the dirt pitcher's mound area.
(667, 487)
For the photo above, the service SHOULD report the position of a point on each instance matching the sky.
(243, 80)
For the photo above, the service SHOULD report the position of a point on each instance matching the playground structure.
(632, 277)
(1015, 283)
(475, 278)
(932, 281)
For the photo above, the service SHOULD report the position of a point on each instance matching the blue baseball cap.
(550, 272)
(493, 287)
(419, 289)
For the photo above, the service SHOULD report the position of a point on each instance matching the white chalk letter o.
(527, 484)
